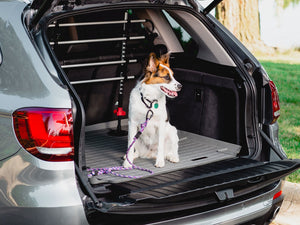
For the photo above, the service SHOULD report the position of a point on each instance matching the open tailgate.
(197, 186)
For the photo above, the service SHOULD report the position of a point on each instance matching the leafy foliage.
(287, 79)
(286, 3)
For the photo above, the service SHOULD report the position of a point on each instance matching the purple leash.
(110, 170)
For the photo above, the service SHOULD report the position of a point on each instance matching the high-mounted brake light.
(45, 133)
(275, 101)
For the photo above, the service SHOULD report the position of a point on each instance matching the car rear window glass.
(187, 42)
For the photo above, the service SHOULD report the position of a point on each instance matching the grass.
(287, 79)
(286, 56)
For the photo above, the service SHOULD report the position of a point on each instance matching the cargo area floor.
(103, 150)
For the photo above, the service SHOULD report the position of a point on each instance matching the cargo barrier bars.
(96, 40)
(123, 61)
(55, 24)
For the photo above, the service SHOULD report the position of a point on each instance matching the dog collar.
(148, 103)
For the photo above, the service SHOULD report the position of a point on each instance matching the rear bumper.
(258, 210)
(71, 215)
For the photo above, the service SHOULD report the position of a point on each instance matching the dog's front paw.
(160, 163)
(135, 155)
(126, 164)
(173, 158)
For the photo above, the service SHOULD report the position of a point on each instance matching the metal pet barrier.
(123, 61)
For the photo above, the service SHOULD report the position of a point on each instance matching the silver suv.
(66, 71)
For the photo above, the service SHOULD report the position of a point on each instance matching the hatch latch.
(225, 195)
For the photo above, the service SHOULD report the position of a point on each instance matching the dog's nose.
(179, 86)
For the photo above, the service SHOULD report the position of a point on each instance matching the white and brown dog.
(159, 139)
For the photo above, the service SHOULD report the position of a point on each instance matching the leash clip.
(149, 114)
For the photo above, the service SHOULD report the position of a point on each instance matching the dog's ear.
(165, 58)
(152, 63)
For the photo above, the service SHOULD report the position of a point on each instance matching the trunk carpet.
(103, 150)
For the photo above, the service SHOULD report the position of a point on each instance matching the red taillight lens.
(45, 133)
(277, 195)
(275, 101)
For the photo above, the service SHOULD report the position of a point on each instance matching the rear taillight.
(277, 195)
(45, 133)
(275, 101)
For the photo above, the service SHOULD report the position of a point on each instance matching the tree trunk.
(241, 17)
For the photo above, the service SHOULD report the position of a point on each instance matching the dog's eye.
(156, 75)
(167, 77)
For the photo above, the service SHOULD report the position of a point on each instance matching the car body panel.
(17, 49)
(22, 84)
(44, 183)
(30, 185)
(71, 215)
(36, 192)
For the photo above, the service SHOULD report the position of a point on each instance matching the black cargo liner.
(103, 150)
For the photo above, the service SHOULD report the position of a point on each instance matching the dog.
(159, 139)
